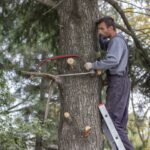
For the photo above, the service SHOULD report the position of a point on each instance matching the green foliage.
(28, 31)
(138, 132)
(18, 134)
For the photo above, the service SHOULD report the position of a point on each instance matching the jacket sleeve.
(113, 56)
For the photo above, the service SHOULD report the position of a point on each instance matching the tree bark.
(80, 95)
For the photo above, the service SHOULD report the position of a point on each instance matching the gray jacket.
(116, 59)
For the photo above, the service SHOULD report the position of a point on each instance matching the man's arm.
(113, 56)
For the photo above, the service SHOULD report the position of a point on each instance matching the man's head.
(106, 26)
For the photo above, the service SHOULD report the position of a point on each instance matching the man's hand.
(88, 66)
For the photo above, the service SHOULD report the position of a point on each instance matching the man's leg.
(124, 136)
(117, 105)
(124, 120)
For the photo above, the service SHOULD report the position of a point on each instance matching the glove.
(88, 66)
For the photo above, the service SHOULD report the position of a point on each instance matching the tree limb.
(52, 147)
(54, 7)
(48, 100)
(49, 3)
(142, 29)
(138, 44)
(134, 5)
(21, 109)
(135, 12)
(123, 29)
(53, 77)
(137, 126)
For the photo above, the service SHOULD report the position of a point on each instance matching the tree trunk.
(80, 94)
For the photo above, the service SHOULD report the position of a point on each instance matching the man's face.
(104, 30)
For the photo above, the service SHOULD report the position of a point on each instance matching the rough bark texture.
(80, 95)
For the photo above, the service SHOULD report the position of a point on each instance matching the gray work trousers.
(117, 102)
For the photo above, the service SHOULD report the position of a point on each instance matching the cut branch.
(68, 117)
(71, 62)
(86, 131)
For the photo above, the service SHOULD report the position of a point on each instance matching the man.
(115, 63)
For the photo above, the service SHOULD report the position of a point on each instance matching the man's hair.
(109, 21)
